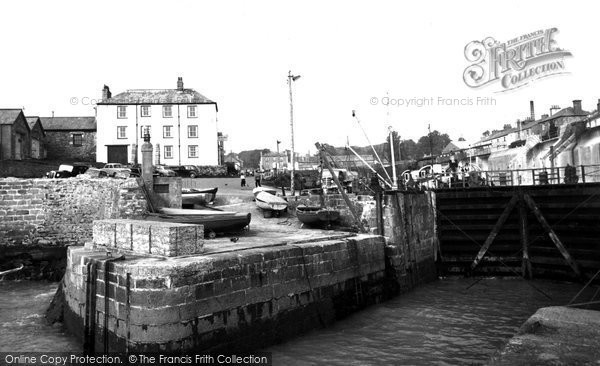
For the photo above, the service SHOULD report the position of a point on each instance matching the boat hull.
(214, 223)
(194, 196)
(316, 216)
(268, 201)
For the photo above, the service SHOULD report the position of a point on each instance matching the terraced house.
(182, 125)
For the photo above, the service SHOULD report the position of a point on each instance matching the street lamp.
(277, 159)
(292, 78)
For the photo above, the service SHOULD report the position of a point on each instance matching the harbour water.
(452, 321)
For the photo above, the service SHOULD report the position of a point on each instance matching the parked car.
(112, 169)
(68, 170)
(163, 171)
(95, 173)
(185, 171)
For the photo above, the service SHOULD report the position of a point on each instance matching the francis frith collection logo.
(514, 63)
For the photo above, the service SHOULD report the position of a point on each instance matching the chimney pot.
(180, 83)
(577, 106)
(106, 94)
(532, 110)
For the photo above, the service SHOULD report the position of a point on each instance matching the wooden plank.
(538, 214)
(524, 231)
(340, 188)
(484, 248)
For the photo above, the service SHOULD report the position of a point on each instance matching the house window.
(167, 132)
(145, 111)
(167, 111)
(193, 151)
(122, 111)
(168, 152)
(143, 130)
(192, 131)
(121, 132)
(77, 139)
(192, 111)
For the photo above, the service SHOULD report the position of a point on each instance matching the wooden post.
(552, 234)
(533, 177)
(524, 232)
(484, 248)
(582, 174)
(340, 187)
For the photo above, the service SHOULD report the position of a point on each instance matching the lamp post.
(277, 158)
(292, 78)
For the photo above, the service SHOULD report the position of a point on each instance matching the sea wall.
(234, 301)
(40, 217)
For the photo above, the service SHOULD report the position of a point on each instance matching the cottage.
(70, 138)
(38, 150)
(15, 138)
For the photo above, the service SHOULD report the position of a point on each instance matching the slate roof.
(31, 121)
(158, 96)
(68, 123)
(8, 116)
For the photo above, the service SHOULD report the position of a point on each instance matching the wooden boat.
(195, 196)
(269, 190)
(186, 211)
(316, 215)
(270, 202)
(213, 221)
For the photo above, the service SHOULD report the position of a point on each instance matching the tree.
(251, 158)
(432, 144)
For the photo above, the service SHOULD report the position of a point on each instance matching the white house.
(182, 124)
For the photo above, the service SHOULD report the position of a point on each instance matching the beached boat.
(214, 221)
(316, 215)
(269, 190)
(195, 196)
(270, 202)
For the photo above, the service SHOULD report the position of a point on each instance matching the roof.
(8, 116)
(454, 146)
(68, 123)
(31, 121)
(158, 96)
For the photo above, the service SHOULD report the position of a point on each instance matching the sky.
(58, 55)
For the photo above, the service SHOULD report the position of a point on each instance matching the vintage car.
(185, 171)
(95, 173)
(68, 170)
(163, 171)
(114, 169)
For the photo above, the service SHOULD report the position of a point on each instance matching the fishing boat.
(270, 202)
(317, 215)
(269, 190)
(214, 221)
(195, 196)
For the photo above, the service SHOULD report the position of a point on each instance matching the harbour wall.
(39, 218)
(247, 298)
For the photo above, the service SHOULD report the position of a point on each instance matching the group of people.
(257, 179)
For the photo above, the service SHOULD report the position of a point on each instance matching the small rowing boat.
(316, 215)
(214, 221)
(195, 196)
(269, 190)
(267, 201)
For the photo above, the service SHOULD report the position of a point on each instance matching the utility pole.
(430, 145)
(292, 78)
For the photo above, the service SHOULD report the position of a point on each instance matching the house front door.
(18, 147)
(117, 154)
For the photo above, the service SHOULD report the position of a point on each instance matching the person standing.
(257, 178)
(243, 179)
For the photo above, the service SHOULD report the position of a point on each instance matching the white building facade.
(182, 124)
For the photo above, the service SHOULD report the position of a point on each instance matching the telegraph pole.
(292, 78)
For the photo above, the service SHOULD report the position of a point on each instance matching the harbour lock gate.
(541, 230)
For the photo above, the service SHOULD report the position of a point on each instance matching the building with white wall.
(182, 124)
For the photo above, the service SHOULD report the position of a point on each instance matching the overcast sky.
(239, 53)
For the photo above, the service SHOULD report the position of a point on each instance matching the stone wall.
(59, 145)
(45, 215)
(411, 238)
(231, 301)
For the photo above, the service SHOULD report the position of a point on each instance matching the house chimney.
(179, 83)
(532, 110)
(106, 93)
(577, 106)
